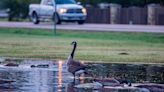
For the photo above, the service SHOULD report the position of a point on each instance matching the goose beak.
(72, 43)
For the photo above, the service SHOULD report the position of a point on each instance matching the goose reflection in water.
(60, 76)
(70, 86)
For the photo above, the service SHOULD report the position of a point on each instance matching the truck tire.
(35, 18)
(80, 22)
(56, 19)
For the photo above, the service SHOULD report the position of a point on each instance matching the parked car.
(4, 13)
(57, 10)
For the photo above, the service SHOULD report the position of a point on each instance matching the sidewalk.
(87, 27)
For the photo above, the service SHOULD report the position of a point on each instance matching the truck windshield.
(65, 2)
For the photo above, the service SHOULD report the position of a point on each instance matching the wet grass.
(92, 46)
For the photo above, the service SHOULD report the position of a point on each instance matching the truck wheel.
(35, 18)
(80, 22)
(56, 19)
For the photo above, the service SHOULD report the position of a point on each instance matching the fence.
(97, 15)
(133, 15)
(160, 16)
(115, 14)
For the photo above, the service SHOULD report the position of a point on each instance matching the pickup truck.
(58, 11)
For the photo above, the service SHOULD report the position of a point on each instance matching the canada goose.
(125, 82)
(75, 67)
(94, 86)
(113, 82)
(12, 65)
(2, 81)
(107, 81)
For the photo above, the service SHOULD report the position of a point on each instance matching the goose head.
(74, 43)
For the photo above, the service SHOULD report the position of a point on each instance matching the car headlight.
(84, 11)
(61, 11)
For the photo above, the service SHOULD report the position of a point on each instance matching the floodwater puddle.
(52, 76)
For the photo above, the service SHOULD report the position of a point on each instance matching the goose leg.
(78, 77)
(74, 77)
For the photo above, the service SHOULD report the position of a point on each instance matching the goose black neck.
(73, 51)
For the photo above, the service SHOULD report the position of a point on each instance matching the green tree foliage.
(92, 2)
(0, 4)
(124, 3)
(18, 8)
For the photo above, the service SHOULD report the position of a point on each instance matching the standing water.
(50, 76)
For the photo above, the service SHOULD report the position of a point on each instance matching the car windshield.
(65, 2)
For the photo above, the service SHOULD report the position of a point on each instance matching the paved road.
(87, 27)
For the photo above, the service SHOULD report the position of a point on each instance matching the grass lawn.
(20, 20)
(92, 46)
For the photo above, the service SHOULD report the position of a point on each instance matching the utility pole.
(55, 18)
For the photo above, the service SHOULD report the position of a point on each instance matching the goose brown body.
(72, 65)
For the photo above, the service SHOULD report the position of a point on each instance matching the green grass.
(20, 20)
(3, 19)
(92, 46)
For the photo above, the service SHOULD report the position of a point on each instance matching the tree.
(18, 8)
(1, 5)
(124, 3)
